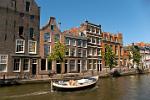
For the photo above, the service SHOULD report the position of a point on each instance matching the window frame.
(28, 65)
(23, 46)
(6, 62)
(35, 52)
(19, 65)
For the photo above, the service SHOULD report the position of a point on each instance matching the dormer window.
(52, 27)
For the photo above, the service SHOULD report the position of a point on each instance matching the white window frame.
(6, 62)
(94, 64)
(49, 37)
(30, 41)
(28, 66)
(23, 45)
(81, 43)
(85, 53)
(19, 65)
(74, 42)
(69, 41)
(90, 51)
(71, 70)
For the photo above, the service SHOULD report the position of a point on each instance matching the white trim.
(6, 63)
(31, 41)
(19, 65)
(23, 45)
(28, 66)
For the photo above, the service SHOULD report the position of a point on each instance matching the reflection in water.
(122, 88)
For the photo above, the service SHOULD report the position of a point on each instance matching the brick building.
(76, 54)
(114, 41)
(94, 48)
(49, 35)
(144, 52)
(19, 38)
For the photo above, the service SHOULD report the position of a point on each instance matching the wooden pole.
(52, 85)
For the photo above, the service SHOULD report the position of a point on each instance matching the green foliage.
(135, 54)
(58, 52)
(109, 57)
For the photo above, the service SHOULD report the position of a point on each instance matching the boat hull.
(73, 89)
(57, 87)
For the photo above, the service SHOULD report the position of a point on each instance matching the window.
(90, 51)
(47, 37)
(72, 65)
(99, 65)
(32, 17)
(52, 27)
(67, 52)
(98, 41)
(31, 32)
(90, 64)
(26, 65)
(94, 51)
(97, 31)
(85, 44)
(84, 53)
(79, 65)
(46, 49)
(79, 53)
(73, 42)
(66, 66)
(99, 52)
(17, 63)
(32, 47)
(3, 63)
(27, 6)
(94, 40)
(79, 43)
(67, 41)
(116, 50)
(20, 44)
(84, 65)
(49, 65)
(43, 64)
(72, 52)
(21, 30)
(57, 38)
(94, 64)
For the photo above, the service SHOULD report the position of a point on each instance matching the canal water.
(122, 88)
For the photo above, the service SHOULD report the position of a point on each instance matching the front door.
(34, 66)
(78, 68)
(33, 69)
(58, 68)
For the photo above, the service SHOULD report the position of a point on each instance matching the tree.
(109, 57)
(58, 52)
(136, 57)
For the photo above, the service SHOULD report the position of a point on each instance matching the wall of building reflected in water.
(122, 88)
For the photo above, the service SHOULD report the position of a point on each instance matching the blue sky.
(130, 17)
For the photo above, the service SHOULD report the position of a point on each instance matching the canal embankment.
(45, 79)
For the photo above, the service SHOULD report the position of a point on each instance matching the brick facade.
(115, 41)
(18, 19)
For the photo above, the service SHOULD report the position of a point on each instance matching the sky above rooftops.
(130, 17)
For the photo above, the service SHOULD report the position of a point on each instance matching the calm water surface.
(122, 88)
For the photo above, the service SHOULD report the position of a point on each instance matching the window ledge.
(16, 71)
